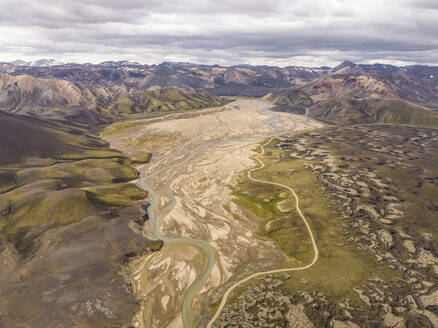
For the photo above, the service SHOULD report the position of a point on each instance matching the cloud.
(284, 32)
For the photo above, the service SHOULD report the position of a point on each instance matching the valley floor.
(196, 161)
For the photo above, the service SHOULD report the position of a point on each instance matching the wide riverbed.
(208, 239)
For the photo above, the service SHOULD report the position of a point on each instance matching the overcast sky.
(227, 32)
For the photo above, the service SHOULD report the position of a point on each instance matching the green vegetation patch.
(122, 127)
(51, 193)
(90, 170)
(141, 158)
(399, 112)
(54, 174)
(346, 111)
(124, 105)
(340, 266)
(40, 204)
(292, 98)
(120, 194)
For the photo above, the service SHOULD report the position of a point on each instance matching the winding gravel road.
(315, 247)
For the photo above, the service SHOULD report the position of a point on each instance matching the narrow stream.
(202, 278)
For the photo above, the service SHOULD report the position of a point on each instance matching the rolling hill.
(346, 111)
(64, 194)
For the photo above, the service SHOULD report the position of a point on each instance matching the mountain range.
(332, 95)
(351, 94)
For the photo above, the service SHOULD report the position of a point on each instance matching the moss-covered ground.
(75, 177)
(341, 266)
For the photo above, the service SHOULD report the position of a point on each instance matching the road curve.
(315, 247)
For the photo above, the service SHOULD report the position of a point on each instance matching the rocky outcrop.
(262, 305)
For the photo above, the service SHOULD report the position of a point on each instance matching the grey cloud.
(227, 31)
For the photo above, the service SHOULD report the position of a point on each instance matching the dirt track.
(257, 274)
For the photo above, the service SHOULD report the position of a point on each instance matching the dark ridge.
(299, 110)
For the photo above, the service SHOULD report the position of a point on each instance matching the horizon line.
(137, 63)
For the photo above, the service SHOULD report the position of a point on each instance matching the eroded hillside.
(25, 92)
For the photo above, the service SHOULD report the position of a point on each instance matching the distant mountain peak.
(344, 64)
(44, 62)
(18, 62)
(120, 63)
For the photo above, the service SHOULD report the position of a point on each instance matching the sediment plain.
(209, 240)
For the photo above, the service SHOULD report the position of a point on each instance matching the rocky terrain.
(382, 182)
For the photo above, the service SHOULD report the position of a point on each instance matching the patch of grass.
(141, 158)
(399, 112)
(257, 207)
(90, 170)
(147, 115)
(92, 153)
(285, 229)
(124, 105)
(151, 141)
(121, 127)
(292, 98)
(121, 194)
(39, 205)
